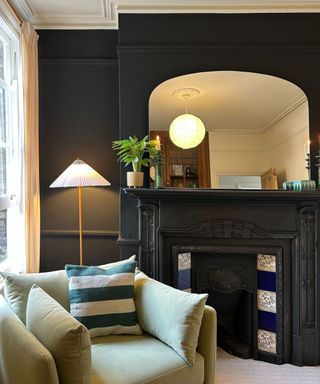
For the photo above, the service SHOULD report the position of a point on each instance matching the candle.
(306, 147)
(158, 143)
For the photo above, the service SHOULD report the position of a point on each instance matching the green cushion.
(102, 299)
(66, 339)
(117, 263)
(175, 320)
(17, 287)
(122, 359)
(23, 358)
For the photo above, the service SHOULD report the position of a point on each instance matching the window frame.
(12, 199)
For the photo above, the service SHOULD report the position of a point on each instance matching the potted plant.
(134, 151)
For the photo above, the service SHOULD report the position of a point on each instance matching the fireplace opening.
(230, 280)
(235, 325)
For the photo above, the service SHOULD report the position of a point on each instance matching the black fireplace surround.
(237, 222)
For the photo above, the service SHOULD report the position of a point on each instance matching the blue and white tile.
(267, 341)
(267, 321)
(184, 261)
(266, 263)
(266, 301)
(267, 281)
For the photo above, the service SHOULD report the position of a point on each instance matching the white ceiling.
(103, 14)
(229, 102)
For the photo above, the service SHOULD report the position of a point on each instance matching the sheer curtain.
(29, 41)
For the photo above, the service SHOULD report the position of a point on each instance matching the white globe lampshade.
(187, 131)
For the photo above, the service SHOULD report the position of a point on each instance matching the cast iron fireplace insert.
(250, 320)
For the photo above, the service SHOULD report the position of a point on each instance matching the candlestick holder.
(308, 165)
(318, 166)
(158, 162)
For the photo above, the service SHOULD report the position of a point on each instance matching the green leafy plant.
(134, 151)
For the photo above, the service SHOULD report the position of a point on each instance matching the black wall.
(79, 104)
(154, 48)
(78, 81)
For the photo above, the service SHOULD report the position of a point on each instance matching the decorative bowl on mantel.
(299, 185)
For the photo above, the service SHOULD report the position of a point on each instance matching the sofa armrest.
(23, 359)
(207, 343)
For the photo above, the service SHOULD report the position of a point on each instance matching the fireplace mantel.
(224, 194)
(257, 219)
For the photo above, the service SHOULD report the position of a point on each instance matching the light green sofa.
(116, 359)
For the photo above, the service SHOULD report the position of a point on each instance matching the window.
(11, 190)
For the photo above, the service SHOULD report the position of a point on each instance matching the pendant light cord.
(186, 97)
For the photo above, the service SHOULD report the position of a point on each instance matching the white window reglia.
(11, 154)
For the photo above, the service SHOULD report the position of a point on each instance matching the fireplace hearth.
(254, 252)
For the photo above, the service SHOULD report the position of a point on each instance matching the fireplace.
(254, 252)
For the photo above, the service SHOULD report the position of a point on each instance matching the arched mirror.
(256, 130)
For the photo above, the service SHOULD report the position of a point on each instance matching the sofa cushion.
(23, 358)
(117, 263)
(17, 287)
(66, 338)
(102, 299)
(126, 359)
(177, 328)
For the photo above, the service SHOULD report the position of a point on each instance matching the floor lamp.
(79, 174)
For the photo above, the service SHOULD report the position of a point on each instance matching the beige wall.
(280, 147)
(235, 154)
(285, 145)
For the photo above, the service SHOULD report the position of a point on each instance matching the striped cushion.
(102, 299)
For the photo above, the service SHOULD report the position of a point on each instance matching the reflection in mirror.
(256, 125)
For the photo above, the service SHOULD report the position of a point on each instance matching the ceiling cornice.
(108, 19)
(284, 113)
(9, 17)
(270, 124)
(23, 8)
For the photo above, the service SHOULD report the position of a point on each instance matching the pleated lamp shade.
(79, 174)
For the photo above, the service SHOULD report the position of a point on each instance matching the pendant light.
(187, 131)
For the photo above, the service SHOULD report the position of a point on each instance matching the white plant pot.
(135, 179)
